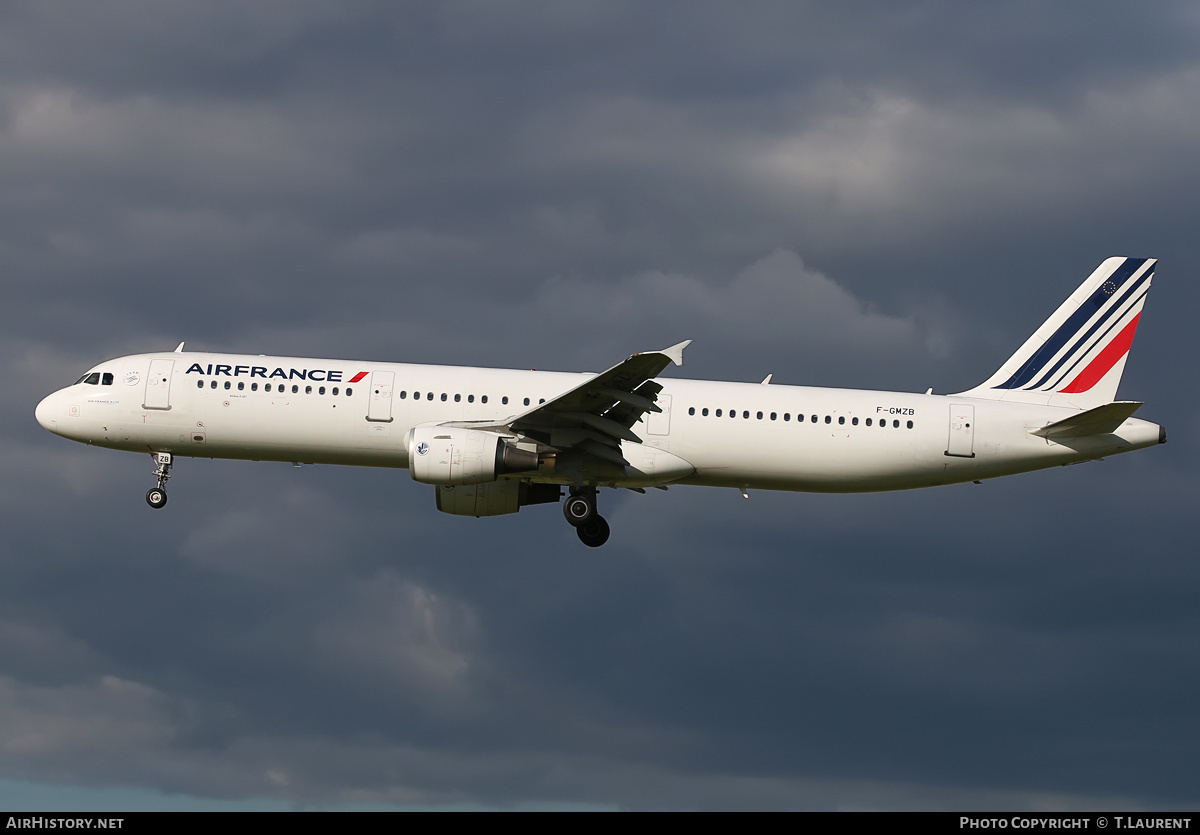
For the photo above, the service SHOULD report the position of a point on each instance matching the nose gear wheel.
(156, 497)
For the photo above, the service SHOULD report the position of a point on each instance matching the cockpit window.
(107, 380)
(80, 380)
(92, 379)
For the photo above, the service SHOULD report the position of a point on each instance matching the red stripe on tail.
(1104, 361)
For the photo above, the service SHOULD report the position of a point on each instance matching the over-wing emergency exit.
(492, 441)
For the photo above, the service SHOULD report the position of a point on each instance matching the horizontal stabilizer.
(1101, 420)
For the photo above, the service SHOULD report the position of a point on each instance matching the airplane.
(492, 441)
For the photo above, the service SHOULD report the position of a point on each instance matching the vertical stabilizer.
(1077, 356)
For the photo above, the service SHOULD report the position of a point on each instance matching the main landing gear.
(156, 497)
(580, 510)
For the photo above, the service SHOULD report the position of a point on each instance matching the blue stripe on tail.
(1071, 327)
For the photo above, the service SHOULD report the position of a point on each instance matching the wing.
(594, 417)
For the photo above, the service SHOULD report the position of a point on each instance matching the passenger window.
(335, 391)
(504, 400)
(868, 421)
(543, 400)
(895, 424)
(787, 416)
(241, 386)
(321, 390)
(704, 412)
(746, 415)
(855, 421)
(772, 416)
(814, 418)
(108, 378)
(254, 387)
(308, 389)
(718, 412)
(484, 399)
(429, 395)
(349, 391)
(295, 389)
(526, 401)
(760, 416)
(228, 385)
(199, 384)
(214, 384)
(443, 397)
(842, 420)
(828, 419)
(910, 424)
(403, 394)
(267, 387)
(416, 395)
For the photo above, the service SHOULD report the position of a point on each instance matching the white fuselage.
(716, 433)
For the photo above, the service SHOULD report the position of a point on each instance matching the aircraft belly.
(290, 431)
(819, 460)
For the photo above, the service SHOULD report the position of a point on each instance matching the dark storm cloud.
(862, 195)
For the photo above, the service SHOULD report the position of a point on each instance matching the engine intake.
(452, 455)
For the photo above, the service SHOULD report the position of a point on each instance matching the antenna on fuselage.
(179, 348)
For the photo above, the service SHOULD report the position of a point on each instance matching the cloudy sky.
(860, 195)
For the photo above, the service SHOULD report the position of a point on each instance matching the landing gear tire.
(594, 532)
(580, 508)
(156, 497)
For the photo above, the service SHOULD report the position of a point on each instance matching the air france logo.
(422, 448)
(319, 374)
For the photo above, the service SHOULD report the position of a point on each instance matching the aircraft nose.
(46, 414)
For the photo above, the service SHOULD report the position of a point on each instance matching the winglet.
(179, 348)
(675, 352)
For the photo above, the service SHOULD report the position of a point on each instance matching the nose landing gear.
(580, 510)
(156, 497)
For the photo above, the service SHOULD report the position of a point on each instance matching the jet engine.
(452, 455)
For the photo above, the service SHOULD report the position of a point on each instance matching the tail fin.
(1077, 356)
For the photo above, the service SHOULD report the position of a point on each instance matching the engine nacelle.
(451, 455)
(494, 498)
